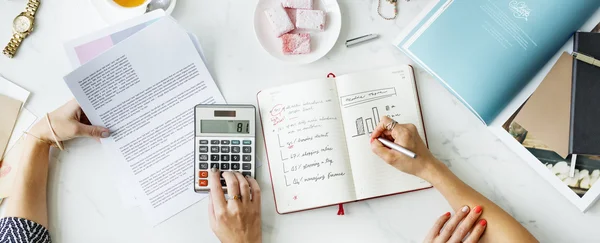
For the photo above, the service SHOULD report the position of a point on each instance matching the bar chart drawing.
(370, 127)
(364, 126)
(376, 115)
(360, 127)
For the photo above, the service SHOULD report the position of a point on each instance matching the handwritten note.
(306, 143)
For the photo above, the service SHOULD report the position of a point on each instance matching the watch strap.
(32, 7)
(13, 45)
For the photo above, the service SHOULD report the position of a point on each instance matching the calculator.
(225, 138)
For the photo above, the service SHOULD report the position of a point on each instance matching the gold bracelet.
(39, 139)
(58, 143)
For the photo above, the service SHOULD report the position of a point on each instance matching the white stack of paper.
(143, 87)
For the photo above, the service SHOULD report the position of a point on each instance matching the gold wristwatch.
(22, 27)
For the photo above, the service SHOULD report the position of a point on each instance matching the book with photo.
(492, 55)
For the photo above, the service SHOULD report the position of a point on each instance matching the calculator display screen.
(225, 126)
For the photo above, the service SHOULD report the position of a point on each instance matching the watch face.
(22, 24)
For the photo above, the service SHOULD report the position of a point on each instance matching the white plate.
(321, 42)
(112, 13)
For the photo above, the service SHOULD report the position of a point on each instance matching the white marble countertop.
(85, 205)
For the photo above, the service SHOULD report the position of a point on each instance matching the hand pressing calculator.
(224, 139)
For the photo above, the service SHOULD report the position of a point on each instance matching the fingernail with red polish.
(372, 140)
(482, 222)
(477, 209)
(447, 214)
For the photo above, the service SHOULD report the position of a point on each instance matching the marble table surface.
(84, 205)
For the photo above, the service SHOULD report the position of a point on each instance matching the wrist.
(433, 170)
(41, 130)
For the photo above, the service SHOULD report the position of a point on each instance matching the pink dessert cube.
(303, 4)
(280, 21)
(310, 19)
(294, 44)
(291, 12)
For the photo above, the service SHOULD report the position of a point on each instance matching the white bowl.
(321, 42)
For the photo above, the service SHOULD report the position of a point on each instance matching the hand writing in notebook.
(407, 136)
(468, 221)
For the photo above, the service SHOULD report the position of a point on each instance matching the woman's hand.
(237, 219)
(458, 226)
(407, 136)
(68, 122)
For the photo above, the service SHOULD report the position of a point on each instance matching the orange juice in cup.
(129, 3)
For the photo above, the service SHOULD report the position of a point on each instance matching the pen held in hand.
(397, 147)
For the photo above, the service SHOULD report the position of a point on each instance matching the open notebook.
(317, 136)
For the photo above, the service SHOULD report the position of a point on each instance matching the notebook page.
(306, 146)
(364, 98)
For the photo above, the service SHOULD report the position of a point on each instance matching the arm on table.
(28, 199)
(501, 226)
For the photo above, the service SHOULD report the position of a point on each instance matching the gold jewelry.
(39, 139)
(22, 27)
(59, 144)
(236, 197)
(393, 2)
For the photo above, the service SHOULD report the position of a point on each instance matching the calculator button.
(203, 182)
(204, 157)
(246, 173)
(203, 149)
(225, 142)
(214, 157)
(214, 165)
(235, 142)
(203, 166)
(224, 149)
(247, 142)
(235, 157)
(214, 149)
(224, 166)
(214, 142)
(247, 149)
(223, 183)
(235, 166)
(247, 158)
(203, 141)
(224, 157)
(235, 149)
(246, 166)
(203, 174)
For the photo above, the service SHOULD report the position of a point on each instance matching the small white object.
(301, 4)
(560, 168)
(585, 183)
(310, 19)
(279, 20)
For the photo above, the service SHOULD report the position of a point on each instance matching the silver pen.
(361, 39)
(397, 147)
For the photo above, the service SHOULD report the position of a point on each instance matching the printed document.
(144, 91)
